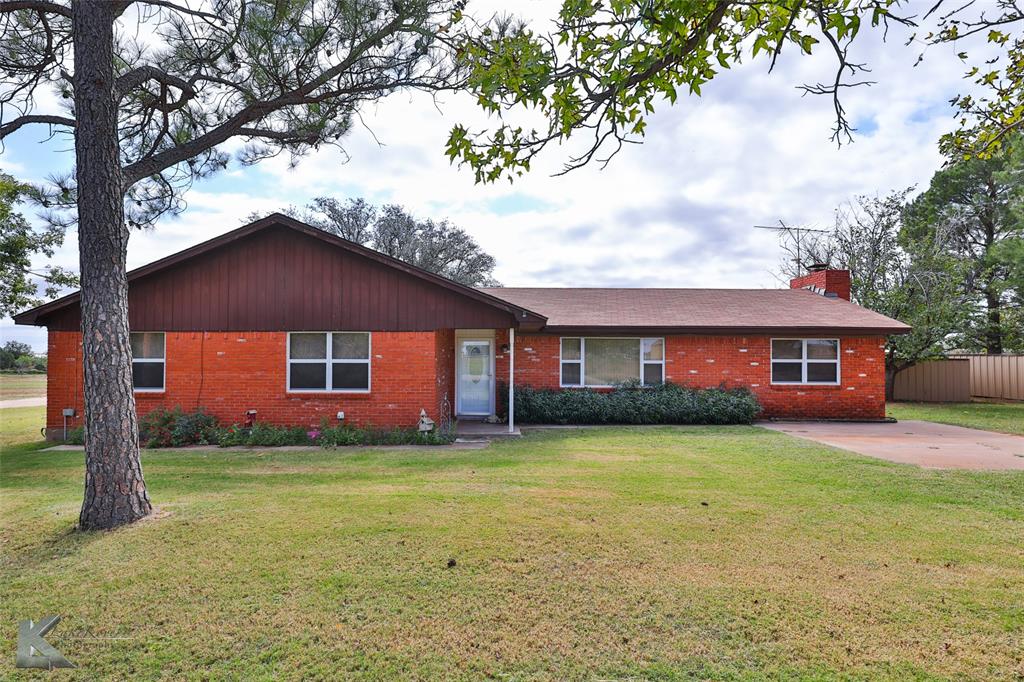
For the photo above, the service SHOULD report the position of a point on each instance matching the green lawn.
(22, 386)
(665, 553)
(21, 425)
(1005, 417)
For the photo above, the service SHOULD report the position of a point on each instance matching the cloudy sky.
(676, 211)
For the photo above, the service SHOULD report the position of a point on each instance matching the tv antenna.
(796, 232)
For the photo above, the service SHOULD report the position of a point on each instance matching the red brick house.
(298, 325)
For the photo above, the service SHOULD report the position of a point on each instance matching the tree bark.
(891, 370)
(993, 333)
(115, 492)
(993, 322)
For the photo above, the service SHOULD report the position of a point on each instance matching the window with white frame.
(329, 361)
(600, 362)
(805, 361)
(148, 361)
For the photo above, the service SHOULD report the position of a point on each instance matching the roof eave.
(727, 330)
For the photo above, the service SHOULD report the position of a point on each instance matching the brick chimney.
(822, 280)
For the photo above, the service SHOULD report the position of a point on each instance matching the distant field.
(13, 386)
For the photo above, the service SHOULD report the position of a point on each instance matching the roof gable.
(279, 273)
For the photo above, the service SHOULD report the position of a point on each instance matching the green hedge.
(632, 404)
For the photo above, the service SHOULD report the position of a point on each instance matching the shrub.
(632, 404)
(333, 436)
(163, 428)
(76, 436)
(155, 428)
(266, 435)
(194, 428)
(232, 435)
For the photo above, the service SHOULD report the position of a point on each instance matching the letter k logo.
(30, 641)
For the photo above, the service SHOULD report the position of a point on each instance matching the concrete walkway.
(474, 428)
(938, 446)
(23, 402)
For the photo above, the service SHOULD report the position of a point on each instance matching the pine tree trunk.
(115, 492)
(993, 323)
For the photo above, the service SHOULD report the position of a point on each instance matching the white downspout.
(511, 379)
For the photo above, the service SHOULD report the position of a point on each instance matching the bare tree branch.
(141, 74)
(8, 128)
(181, 9)
(37, 5)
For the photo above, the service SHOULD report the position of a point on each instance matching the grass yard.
(1004, 417)
(14, 386)
(21, 426)
(665, 553)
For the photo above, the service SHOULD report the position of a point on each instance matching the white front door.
(475, 389)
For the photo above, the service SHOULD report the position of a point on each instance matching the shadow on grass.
(61, 542)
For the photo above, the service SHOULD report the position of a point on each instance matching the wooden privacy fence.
(962, 377)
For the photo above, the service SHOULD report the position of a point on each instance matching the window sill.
(804, 387)
(328, 394)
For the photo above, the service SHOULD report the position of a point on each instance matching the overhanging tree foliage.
(437, 246)
(988, 120)
(606, 66)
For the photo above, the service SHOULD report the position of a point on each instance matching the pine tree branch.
(8, 128)
(156, 163)
(142, 74)
(37, 5)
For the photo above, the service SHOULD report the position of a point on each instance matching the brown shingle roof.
(698, 310)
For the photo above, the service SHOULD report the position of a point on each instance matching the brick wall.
(830, 281)
(227, 373)
(444, 363)
(710, 361)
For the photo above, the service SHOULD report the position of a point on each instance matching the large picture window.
(329, 361)
(600, 362)
(805, 361)
(148, 361)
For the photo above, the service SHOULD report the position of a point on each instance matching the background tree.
(435, 246)
(1011, 253)
(19, 244)
(15, 353)
(975, 207)
(914, 281)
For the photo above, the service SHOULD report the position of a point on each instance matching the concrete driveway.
(926, 444)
